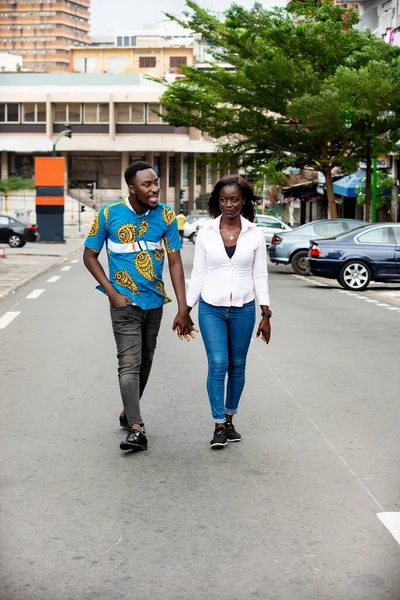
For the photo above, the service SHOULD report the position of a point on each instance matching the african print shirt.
(135, 247)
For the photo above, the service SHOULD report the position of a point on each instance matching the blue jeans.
(226, 332)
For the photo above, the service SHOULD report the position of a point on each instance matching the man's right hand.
(119, 300)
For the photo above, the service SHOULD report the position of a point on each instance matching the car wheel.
(15, 241)
(299, 264)
(193, 237)
(355, 276)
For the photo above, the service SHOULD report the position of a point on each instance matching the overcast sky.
(108, 17)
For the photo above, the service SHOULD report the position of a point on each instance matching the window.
(380, 235)
(67, 113)
(96, 113)
(152, 117)
(396, 229)
(126, 40)
(119, 41)
(3, 221)
(9, 113)
(34, 113)
(177, 61)
(130, 113)
(198, 175)
(328, 229)
(171, 171)
(271, 223)
(147, 62)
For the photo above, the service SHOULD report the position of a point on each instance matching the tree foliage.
(307, 88)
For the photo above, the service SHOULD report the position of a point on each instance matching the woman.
(229, 269)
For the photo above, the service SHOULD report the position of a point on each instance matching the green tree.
(13, 184)
(282, 101)
(384, 185)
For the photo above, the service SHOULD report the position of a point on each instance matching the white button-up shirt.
(224, 281)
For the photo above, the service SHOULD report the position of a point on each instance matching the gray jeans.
(135, 331)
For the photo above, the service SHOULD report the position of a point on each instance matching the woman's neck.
(230, 223)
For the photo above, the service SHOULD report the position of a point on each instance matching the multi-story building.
(43, 32)
(114, 120)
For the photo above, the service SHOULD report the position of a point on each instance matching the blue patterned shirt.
(136, 249)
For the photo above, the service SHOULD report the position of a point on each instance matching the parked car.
(16, 233)
(355, 259)
(292, 247)
(269, 226)
(190, 229)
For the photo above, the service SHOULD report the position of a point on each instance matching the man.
(133, 230)
(181, 219)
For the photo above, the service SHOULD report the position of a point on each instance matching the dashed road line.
(310, 280)
(35, 294)
(74, 261)
(54, 279)
(8, 317)
(66, 268)
(382, 304)
(391, 521)
(392, 308)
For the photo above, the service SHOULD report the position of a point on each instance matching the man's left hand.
(184, 326)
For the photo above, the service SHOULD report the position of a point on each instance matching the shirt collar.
(129, 205)
(246, 224)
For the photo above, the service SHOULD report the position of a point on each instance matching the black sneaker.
(135, 440)
(123, 421)
(231, 434)
(219, 439)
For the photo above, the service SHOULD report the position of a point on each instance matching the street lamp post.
(67, 132)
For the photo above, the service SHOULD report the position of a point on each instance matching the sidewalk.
(21, 265)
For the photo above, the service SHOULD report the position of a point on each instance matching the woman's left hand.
(264, 330)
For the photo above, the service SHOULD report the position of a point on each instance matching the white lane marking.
(66, 268)
(74, 261)
(35, 294)
(53, 279)
(382, 304)
(391, 521)
(371, 300)
(8, 317)
(307, 416)
(309, 280)
(392, 308)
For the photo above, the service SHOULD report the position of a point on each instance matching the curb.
(30, 278)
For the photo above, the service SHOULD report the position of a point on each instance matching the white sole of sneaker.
(216, 446)
(239, 440)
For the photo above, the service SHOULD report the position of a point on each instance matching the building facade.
(43, 32)
(115, 120)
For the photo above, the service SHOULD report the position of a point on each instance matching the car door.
(396, 232)
(377, 247)
(4, 228)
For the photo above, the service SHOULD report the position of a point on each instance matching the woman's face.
(230, 201)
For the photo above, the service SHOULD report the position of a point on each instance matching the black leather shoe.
(135, 441)
(123, 421)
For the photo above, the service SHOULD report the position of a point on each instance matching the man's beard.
(144, 205)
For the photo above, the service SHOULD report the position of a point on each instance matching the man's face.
(145, 187)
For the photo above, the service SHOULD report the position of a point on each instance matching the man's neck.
(138, 208)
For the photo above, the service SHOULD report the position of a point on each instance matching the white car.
(190, 229)
(269, 226)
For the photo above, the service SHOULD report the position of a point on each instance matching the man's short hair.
(138, 165)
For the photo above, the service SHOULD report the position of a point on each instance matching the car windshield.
(339, 235)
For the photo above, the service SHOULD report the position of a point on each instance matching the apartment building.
(114, 119)
(43, 32)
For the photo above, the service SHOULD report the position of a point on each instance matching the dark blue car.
(370, 253)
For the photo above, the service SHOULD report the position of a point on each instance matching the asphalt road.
(290, 513)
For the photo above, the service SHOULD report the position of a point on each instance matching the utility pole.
(374, 190)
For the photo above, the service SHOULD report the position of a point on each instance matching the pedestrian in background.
(229, 269)
(181, 219)
(136, 229)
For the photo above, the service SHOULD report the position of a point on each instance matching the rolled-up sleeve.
(198, 272)
(260, 272)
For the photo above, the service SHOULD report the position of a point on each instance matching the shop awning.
(27, 143)
(347, 186)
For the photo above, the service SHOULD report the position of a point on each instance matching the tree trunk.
(332, 212)
(395, 192)
(368, 185)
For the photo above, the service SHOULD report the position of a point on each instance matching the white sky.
(108, 17)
